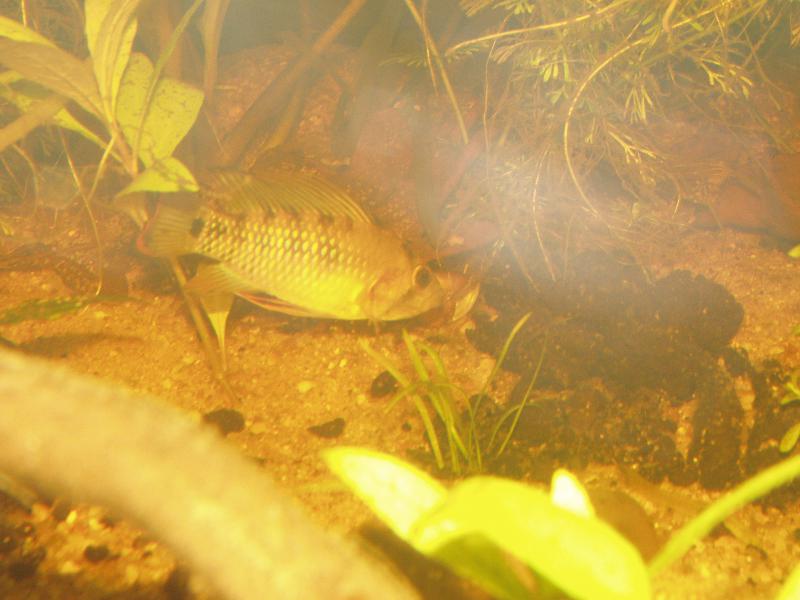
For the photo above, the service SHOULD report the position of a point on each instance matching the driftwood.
(76, 436)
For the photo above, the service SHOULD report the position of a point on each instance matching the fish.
(292, 243)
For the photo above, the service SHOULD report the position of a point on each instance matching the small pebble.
(305, 386)
(96, 553)
(330, 429)
(176, 587)
(383, 385)
(8, 539)
(26, 567)
(61, 509)
(258, 428)
(226, 420)
(68, 567)
(131, 575)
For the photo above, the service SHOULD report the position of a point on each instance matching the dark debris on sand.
(622, 355)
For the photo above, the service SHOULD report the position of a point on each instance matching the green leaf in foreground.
(583, 556)
(395, 491)
(791, 589)
(757, 486)
(476, 525)
(400, 494)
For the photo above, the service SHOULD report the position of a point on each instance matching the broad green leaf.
(25, 98)
(475, 558)
(170, 115)
(14, 30)
(397, 492)
(167, 175)
(36, 115)
(110, 29)
(791, 589)
(54, 69)
(582, 556)
(401, 494)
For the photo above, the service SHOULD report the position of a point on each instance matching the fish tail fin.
(168, 232)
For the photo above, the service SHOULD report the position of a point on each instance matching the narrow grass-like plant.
(435, 396)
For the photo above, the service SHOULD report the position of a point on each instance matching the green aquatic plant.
(47, 309)
(586, 108)
(118, 99)
(144, 114)
(792, 394)
(434, 391)
(477, 524)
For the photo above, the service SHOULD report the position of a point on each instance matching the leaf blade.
(54, 69)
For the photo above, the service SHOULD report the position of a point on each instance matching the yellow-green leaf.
(395, 491)
(168, 175)
(14, 30)
(791, 587)
(38, 114)
(25, 98)
(172, 111)
(110, 29)
(581, 555)
(54, 69)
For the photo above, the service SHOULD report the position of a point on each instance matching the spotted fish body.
(299, 247)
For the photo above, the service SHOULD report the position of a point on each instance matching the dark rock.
(330, 429)
(383, 385)
(226, 420)
(96, 553)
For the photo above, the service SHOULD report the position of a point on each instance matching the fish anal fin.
(277, 305)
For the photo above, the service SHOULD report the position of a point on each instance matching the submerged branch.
(76, 436)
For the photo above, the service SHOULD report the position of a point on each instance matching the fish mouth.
(453, 294)
(459, 293)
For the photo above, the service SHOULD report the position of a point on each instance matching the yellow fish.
(295, 244)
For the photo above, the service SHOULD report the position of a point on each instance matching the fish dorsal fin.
(276, 191)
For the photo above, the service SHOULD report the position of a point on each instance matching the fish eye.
(422, 277)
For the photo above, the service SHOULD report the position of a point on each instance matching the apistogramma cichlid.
(294, 244)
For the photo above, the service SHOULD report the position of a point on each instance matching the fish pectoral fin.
(214, 286)
(277, 305)
(218, 307)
